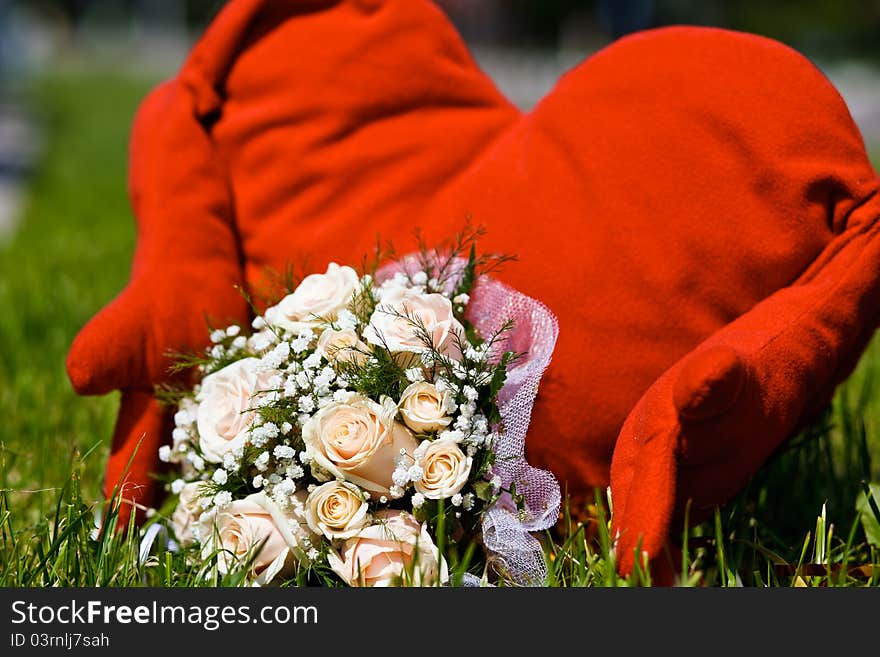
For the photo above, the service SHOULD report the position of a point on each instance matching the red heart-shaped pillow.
(667, 186)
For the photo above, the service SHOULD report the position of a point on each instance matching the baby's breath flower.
(233, 330)
(262, 461)
(218, 335)
(286, 428)
(284, 452)
(165, 453)
(415, 374)
(341, 395)
(286, 487)
(463, 423)
(400, 476)
(456, 499)
(306, 404)
(455, 435)
(220, 476)
(312, 361)
(415, 473)
(222, 499)
(325, 377)
(177, 486)
(258, 481)
(467, 409)
(346, 320)
(417, 500)
(260, 341)
(294, 471)
(274, 358)
(182, 418)
(258, 323)
(302, 342)
(289, 388)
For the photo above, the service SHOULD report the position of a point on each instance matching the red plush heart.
(664, 188)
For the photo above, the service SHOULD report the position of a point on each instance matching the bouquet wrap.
(506, 528)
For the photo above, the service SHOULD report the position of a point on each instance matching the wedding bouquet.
(369, 431)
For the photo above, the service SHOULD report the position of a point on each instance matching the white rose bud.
(337, 510)
(225, 399)
(187, 513)
(392, 324)
(446, 469)
(425, 409)
(342, 346)
(317, 296)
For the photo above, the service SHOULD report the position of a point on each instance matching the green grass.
(72, 254)
(69, 257)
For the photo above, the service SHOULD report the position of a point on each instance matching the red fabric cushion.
(654, 197)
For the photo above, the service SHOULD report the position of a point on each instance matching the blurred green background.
(71, 76)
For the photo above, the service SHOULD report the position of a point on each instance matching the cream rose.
(187, 513)
(445, 466)
(317, 296)
(337, 509)
(235, 531)
(424, 408)
(392, 323)
(395, 549)
(358, 440)
(342, 346)
(223, 416)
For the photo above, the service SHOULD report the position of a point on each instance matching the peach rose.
(341, 346)
(234, 531)
(223, 416)
(317, 296)
(358, 440)
(424, 408)
(187, 513)
(395, 549)
(337, 510)
(392, 323)
(445, 466)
